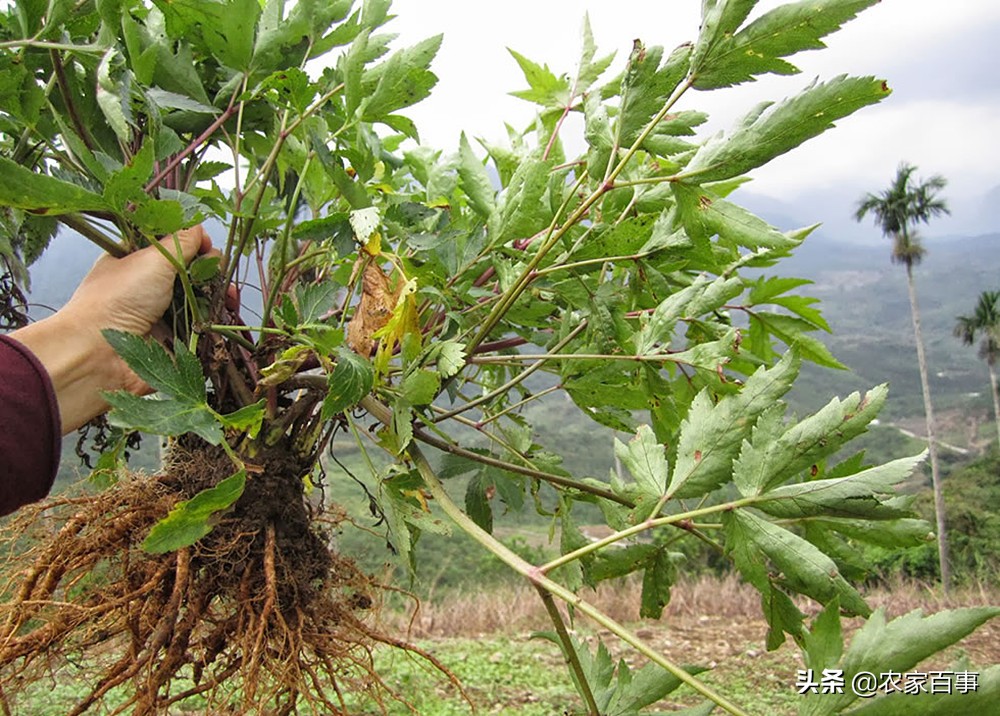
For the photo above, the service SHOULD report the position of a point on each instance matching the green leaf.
(248, 419)
(647, 86)
(421, 386)
(824, 643)
(448, 357)
(351, 380)
(897, 646)
(979, 700)
(166, 416)
(474, 180)
(22, 188)
(803, 567)
(544, 87)
(657, 580)
(646, 461)
(191, 520)
(401, 81)
(902, 532)
(764, 135)
(704, 215)
(227, 27)
(757, 49)
(477, 501)
(711, 435)
(702, 296)
(522, 212)
(180, 376)
(775, 455)
(790, 330)
(852, 496)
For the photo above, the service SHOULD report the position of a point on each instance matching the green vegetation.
(416, 308)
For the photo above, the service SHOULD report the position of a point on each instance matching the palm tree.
(897, 211)
(985, 321)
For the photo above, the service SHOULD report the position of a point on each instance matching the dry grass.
(517, 609)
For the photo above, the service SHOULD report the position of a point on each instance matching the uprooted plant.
(404, 287)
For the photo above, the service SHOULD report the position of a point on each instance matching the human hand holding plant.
(129, 294)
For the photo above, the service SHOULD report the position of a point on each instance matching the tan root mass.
(261, 616)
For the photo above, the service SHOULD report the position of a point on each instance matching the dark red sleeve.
(30, 430)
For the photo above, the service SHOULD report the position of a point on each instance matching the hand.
(128, 294)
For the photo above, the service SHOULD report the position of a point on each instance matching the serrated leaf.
(980, 699)
(521, 212)
(477, 501)
(791, 331)
(646, 461)
(803, 567)
(646, 87)
(824, 643)
(421, 386)
(775, 455)
(448, 357)
(544, 87)
(22, 188)
(180, 376)
(474, 180)
(401, 81)
(704, 215)
(657, 580)
(352, 379)
(732, 58)
(248, 419)
(897, 646)
(852, 496)
(191, 520)
(902, 532)
(703, 295)
(227, 27)
(166, 416)
(764, 135)
(712, 434)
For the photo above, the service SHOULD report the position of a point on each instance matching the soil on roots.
(260, 616)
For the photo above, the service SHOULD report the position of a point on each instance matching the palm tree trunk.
(993, 394)
(942, 535)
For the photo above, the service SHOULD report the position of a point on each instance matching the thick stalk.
(569, 651)
(993, 394)
(540, 581)
(939, 510)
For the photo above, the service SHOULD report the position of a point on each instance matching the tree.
(897, 211)
(409, 302)
(985, 323)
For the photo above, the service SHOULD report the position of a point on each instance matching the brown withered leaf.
(374, 310)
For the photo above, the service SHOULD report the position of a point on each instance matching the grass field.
(487, 642)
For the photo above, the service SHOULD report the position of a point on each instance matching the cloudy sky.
(939, 58)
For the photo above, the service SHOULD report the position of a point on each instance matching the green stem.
(382, 413)
(552, 236)
(282, 244)
(502, 390)
(521, 357)
(642, 527)
(515, 406)
(569, 651)
(93, 234)
(541, 582)
(588, 262)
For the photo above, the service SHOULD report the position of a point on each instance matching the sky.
(939, 58)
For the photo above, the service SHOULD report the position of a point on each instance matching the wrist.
(80, 364)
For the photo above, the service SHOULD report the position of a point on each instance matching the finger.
(192, 242)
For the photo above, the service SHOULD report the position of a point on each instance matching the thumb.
(192, 242)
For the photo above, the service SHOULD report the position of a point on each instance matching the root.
(260, 616)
